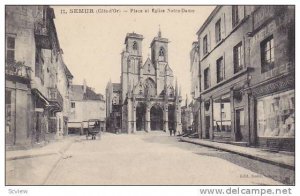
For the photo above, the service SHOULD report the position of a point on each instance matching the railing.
(54, 95)
(18, 69)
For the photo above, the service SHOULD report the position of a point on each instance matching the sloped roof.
(148, 67)
(78, 93)
(67, 71)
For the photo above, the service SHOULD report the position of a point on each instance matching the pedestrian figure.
(174, 132)
(170, 130)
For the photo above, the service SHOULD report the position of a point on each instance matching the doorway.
(207, 126)
(140, 117)
(156, 118)
(239, 124)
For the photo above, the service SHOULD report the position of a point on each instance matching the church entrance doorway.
(156, 118)
(141, 117)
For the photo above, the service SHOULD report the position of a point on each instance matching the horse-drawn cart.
(93, 129)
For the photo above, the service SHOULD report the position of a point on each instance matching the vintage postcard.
(150, 95)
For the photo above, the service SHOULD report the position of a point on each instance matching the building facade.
(85, 105)
(36, 78)
(195, 86)
(149, 98)
(187, 119)
(247, 76)
(113, 107)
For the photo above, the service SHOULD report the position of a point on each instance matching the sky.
(92, 42)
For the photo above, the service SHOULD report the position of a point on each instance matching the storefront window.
(222, 116)
(276, 115)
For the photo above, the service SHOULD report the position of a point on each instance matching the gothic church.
(148, 98)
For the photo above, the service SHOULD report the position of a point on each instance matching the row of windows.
(267, 61)
(218, 34)
(220, 67)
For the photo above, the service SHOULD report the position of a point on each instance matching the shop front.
(276, 121)
(274, 109)
(225, 115)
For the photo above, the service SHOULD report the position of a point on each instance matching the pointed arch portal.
(140, 117)
(156, 118)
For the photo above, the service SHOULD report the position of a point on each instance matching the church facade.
(150, 99)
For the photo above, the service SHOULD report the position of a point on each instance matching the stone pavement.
(152, 158)
(32, 166)
(279, 159)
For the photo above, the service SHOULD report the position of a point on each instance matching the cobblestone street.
(151, 159)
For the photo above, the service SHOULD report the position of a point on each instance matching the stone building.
(187, 118)
(85, 105)
(113, 107)
(36, 79)
(195, 85)
(247, 76)
(149, 98)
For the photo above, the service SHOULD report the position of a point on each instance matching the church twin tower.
(149, 99)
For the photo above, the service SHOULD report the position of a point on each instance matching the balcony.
(41, 32)
(18, 71)
(55, 96)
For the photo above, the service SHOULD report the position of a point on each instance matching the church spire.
(159, 31)
(179, 91)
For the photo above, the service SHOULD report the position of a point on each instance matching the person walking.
(170, 130)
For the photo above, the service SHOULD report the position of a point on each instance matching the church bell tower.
(159, 49)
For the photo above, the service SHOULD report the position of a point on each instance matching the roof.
(159, 39)
(116, 86)
(133, 35)
(68, 73)
(78, 93)
(210, 17)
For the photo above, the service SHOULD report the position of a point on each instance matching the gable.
(148, 68)
(168, 70)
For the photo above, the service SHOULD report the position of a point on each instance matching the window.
(161, 54)
(222, 116)
(72, 104)
(220, 70)
(10, 50)
(237, 57)
(205, 45)
(218, 31)
(235, 15)
(206, 78)
(276, 115)
(267, 54)
(134, 46)
(39, 61)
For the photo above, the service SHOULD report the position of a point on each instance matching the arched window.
(134, 46)
(161, 54)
